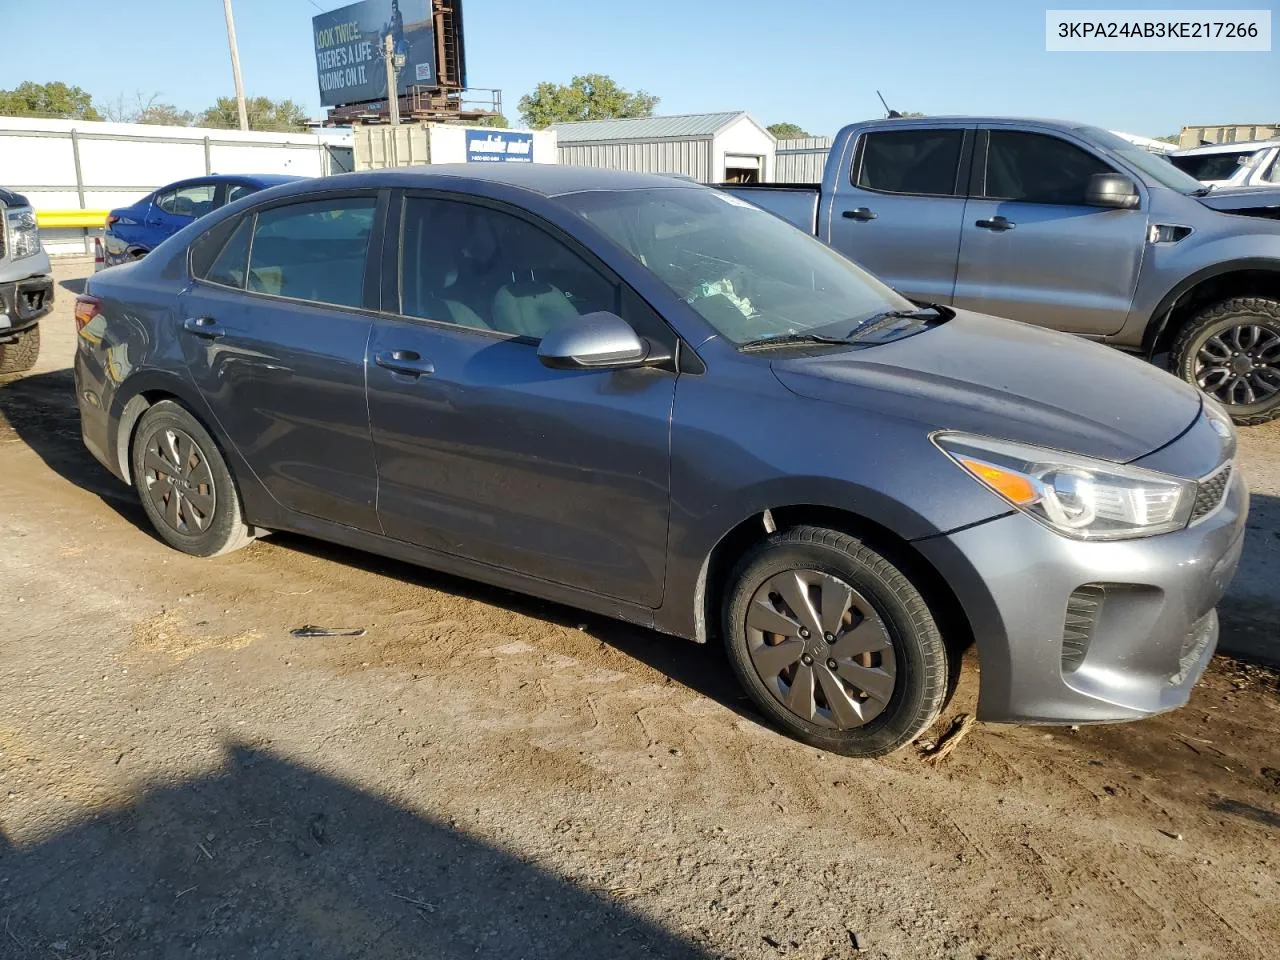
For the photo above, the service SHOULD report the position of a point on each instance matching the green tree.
(493, 120)
(1171, 138)
(281, 116)
(592, 96)
(787, 131)
(55, 99)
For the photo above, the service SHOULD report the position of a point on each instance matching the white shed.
(710, 147)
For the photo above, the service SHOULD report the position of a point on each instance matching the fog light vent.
(1077, 630)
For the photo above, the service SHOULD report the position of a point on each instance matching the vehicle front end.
(26, 283)
(1094, 600)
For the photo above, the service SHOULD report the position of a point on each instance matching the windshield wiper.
(883, 319)
(793, 340)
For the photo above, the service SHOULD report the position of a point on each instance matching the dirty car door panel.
(275, 339)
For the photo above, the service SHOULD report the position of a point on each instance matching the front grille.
(1077, 629)
(1212, 489)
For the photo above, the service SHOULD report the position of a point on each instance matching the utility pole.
(235, 65)
(393, 95)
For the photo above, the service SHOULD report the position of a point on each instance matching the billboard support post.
(393, 94)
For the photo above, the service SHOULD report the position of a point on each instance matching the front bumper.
(24, 302)
(1148, 608)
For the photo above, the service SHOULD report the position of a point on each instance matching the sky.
(816, 63)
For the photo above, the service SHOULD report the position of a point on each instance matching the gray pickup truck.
(1065, 226)
(26, 284)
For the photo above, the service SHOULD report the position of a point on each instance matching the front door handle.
(206, 327)
(998, 224)
(408, 362)
(861, 214)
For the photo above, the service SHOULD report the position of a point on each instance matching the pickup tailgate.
(797, 203)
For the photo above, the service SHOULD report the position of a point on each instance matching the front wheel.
(1231, 351)
(834, 643)
(20, 355)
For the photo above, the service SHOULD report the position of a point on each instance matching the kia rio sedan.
(649, 399)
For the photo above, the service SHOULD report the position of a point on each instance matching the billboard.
(349, 45)
(499, 146)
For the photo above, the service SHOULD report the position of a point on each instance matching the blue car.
(133, 231)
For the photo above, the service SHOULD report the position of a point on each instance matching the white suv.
(1252, 164)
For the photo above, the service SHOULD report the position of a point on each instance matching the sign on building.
(349, 48)
(499, 146)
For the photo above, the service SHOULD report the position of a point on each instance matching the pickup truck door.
(898, 205)
(1032, 250)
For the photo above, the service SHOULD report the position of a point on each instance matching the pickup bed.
(1065, 226)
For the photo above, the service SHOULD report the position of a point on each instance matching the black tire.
(211, 522)
(20, 356)
(919, 654)
(1214, 321)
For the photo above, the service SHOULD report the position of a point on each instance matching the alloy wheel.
(821, 649)
(179, 482)
(1240, 365)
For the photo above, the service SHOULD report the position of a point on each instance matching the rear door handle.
(861, 214)
(998, 224)
(206, 327)
(408, 362)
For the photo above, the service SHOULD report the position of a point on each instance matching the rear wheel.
(184, 484)
(20, 355)
(1231, 351)
(834, 643)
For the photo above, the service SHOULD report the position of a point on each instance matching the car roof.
(1245, 146)
(986, 121)
(546, 179)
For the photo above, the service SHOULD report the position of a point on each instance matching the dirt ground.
(482, 774)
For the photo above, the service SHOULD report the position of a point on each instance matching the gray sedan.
(650, 399)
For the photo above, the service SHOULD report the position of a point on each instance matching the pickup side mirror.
(594, 341)
(1111, 190)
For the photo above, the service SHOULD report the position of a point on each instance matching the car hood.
(1003, 379)
(1233, 199)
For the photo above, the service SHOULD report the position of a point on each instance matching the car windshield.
(751, 275)
(1155, 166)
(1214, 166)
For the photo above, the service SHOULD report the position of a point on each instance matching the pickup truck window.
(1037, 168)
(749, 274)
(1157, 167)
(909, 161)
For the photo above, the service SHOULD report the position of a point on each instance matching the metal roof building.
(710, 147)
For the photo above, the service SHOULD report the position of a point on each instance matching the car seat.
(529, 307)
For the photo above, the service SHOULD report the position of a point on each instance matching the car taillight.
(87, 308)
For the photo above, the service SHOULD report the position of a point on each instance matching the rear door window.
(229, 266)
(193, 200)
(917, 161)
(313, 251)
(1037, 168)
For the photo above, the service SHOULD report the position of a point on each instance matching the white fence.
(66, 165)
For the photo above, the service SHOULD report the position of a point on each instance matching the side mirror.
(594, 341)
(1111, 190)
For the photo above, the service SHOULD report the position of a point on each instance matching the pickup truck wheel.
(834, 643)
(1231, 351)
(20, 356)
(185, 487)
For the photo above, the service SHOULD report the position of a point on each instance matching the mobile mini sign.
(499, 146)
(349, 49)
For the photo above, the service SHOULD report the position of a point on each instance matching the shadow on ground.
(75, 285)
(265, 857)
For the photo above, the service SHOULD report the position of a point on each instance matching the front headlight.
(1073, 495)
(24, 235)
